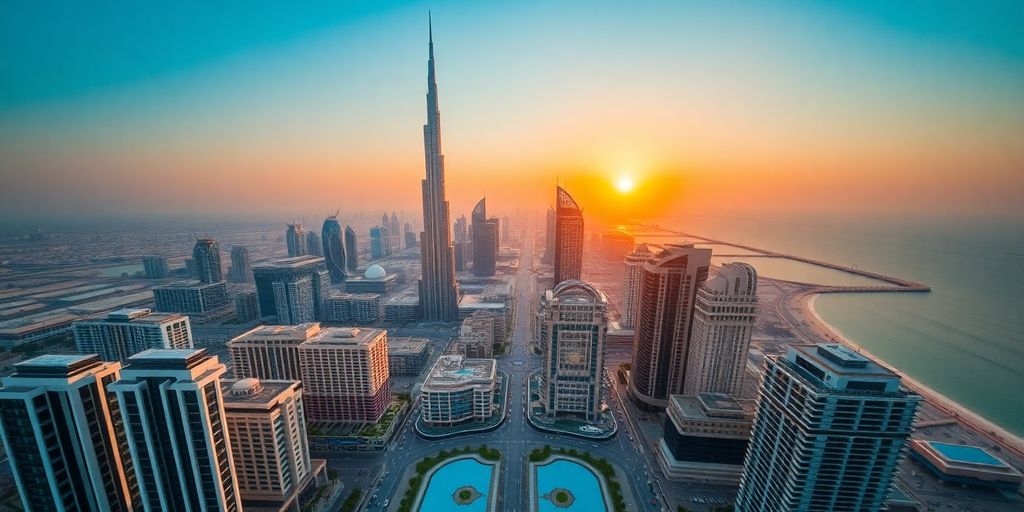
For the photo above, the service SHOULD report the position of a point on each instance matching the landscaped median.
(573, 493)
(464, 494)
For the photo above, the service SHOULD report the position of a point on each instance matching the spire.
(430, 37)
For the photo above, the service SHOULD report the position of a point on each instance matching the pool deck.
(492, 492)
(605, 494)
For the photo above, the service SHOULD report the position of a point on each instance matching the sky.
(734, 108)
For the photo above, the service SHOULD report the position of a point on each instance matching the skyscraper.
(270, 351)
(462, 244)
(119, 334)
(378, 242)
(351, 250)
(438, 294)
(174, 422)
(207, 261)
(295, 237)
(345, 375)
(723, 321)
(154, 267)
(549, 237)
(485, 240)
(668, 289)
(334, 249)
(294, 289)
(828, 434)
(634, 266)
(241, 265)
(313, 245)
(506, 230)
(568, 260)
(395, 230)
(576, 320)
(62, 433)
(410, 236)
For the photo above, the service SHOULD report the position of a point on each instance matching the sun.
(625, 184)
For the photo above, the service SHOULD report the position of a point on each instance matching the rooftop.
(135, 315)
(293, 262)
(963, 453)
(405, 345)
(239, 394)
(300, 332)
(715, 406)
(840, 360)
(56, 364)
(168, 358)
(345, 336)
(456, 370)
(188, 285)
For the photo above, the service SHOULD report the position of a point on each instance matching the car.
(387, 501)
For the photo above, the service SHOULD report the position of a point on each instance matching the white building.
(125, 332)
(459, 389)
(634, 266)
(575, 317)
(723, 321)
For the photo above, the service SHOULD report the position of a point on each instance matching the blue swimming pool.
(960, 453)
(452, 477)
(577, 479)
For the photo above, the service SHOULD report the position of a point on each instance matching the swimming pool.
(444, 486)
(960, 453)
(565, 475)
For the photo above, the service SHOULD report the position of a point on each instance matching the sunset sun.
(624, 184)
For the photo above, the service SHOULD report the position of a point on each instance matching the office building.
(410, 237)
(353, 307)
(485, 240)
(154, 267)
(506, 230)
(241, 265)
(476, 336)
(458, 390)
(174, 421)
(461, 245)
(723, 321)
(198, 299)
(575, 315)
(270, 351)
(406, 356)
(634, 266)
(378, 242)
(313, 245)
(351, 250)
(293, 289)
(247, 306)
(295, 238)
(190, 268)
(61, 433)
(568, 261)
(395, 231)
(206, 256)
(119, 334)
(402, 309)
(705, 438)
(345, 375)
(664, 316)
(267, 430)
(334, 250)
(828, 434)
(437, 287)
(549, 237)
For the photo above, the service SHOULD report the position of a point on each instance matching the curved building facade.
(334, 249)
(207, 260)
(568, 237)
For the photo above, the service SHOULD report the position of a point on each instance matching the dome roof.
(375, 272)
(248, 386)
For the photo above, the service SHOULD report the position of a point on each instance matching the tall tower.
(438, 293)
(351, 250)
(668, 288)
(723, 321)
(241, 265)
(61, 430)
(296, 239)
(828, 434)
(634, 265)
(313, 245)
(206, 256)
(485, 240)
(568, 237)
(334, 249)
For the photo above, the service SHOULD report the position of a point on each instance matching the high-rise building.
(351, 250)
(506, 230)
(828, 434)
(437, 287)
(241, 265)
(568, 260)
(634, 266)
(295, 237)
(119, 334)
(174, 421)
(345, 375)
(270, 351)
(267, 431)
(576, 321)
(313, 245)
(461, 230)
(63, 436)
(190, 268)
(154, 267)
(723, 321)
(395, 230)
(549, 237)
(461, 255)
(476, 336)
(334, 249)
(459, 389)
(664, 316)
(207, 261)
(198, 299)
(410, 236)
(378, 242)
(485, 240)
(247, 306)
(294, 289)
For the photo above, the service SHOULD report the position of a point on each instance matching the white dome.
(248, 386)
(375, 272)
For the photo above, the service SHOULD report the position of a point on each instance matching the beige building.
(270, 351)
(705, 438)
(634, 264)
(345, 374)
(459, 389)
(476, 336)
(267, 431)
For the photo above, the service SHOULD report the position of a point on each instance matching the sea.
(964, 339)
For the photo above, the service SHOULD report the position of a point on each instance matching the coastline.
(986, 427)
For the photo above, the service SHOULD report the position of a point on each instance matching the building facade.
(485, 240)
(723, 321)
(270, 352)
(206, 256)
(334, 249)
(154, 267)
(828, 434)
(247, 306)
(568, 258)
(345, 375)
(60, 432)
(668, 289)
(197, 299)
(705, 438)
(634, 268)
(575, 317)
(295, 238)
(406, 356)
(241, 265)
(293, 289)
(459, 389)
(126, 332)
(353, 307)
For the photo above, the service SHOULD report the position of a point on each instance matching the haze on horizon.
(746, 108)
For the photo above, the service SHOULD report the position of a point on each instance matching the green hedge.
(350, 503)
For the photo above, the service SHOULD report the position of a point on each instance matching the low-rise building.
(360, 308)
(706, 436)
(459, 389)
(477, 335)
(403, 308)
(374, 280)
(406, 356)
(121, 334)
(971, 466)
(196, 299)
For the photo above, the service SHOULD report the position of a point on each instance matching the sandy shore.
(997, 434)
